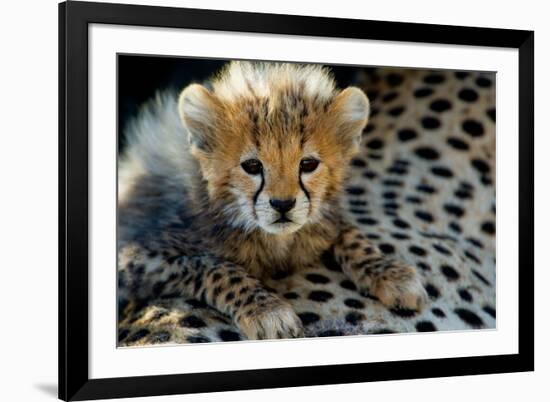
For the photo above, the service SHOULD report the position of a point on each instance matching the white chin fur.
(281, 229)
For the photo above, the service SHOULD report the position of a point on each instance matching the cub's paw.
(270, 319)
(397, 286)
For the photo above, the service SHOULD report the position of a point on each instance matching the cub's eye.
(308, 165)
(252, 166)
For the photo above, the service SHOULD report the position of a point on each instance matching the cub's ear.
(199, 109)
(351, 111)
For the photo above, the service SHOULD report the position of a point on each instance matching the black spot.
(354, 303)
(370, 175)
(465, 295)
(449, 272)
(423, 266)
(492, 113)
(192, 321)
(389, 97)
(375, 143)
(486, 180)
(358, 211)
(454, 210)
(438, 312)
(441, 249)
(419, 251)
(442, 171)
(389, 195)
(320, 296)
(328, 260)
(461, 74)
(423, 92)
(367, 221)
(440, 105)
(391, 205)
(455, 227)
(160, 337)
(433, 292)
(386, 248)
(406, 134)
(458, 144)
(411, 199)
(291, 295)
(394, 79)
(236, 279)
(369, 128)
(392, 183)
(308, 318)
(425, 188)
(396, 111)
(434, 78)
(197, 339)
(427, 153)
(397, 170)
(123, 333)
(358, 162)
(354, 317)
(490, 310)
(425, 326)
(468, 95)
(382, 331)
(404, 312)
(462, 194)
(424, 215)
(483, 82)
(330, 332)
(400, 223)
(317, 278)
(469, 317)
(400, 236)
(430, 123)
(136, 336)
(474, 242)
(472, 257)
(480, 165)
(347, 284)
(358, 203)
(228, 336)
(355, 190)
(481, 277)
(473, 127)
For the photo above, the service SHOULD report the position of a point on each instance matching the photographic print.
(257, 200)
(272, 200)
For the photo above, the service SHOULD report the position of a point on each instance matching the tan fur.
(193, 200)
(278, 122)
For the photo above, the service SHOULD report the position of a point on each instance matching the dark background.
(140, 77)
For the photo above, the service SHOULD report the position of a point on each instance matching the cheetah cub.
(240, 179)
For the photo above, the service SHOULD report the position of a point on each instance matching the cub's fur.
(231, 182)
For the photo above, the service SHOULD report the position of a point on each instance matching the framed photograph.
(258, 200)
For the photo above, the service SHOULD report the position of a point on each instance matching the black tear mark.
(260, 189)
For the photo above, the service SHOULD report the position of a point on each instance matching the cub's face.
(282, 186)
(275, 163)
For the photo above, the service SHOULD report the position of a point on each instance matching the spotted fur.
(420, 193)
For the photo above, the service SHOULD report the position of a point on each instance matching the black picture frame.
(74, 19)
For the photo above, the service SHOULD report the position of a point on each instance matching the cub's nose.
(282, 206)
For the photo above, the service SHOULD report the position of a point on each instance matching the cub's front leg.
(258, 313)
(394, 283)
